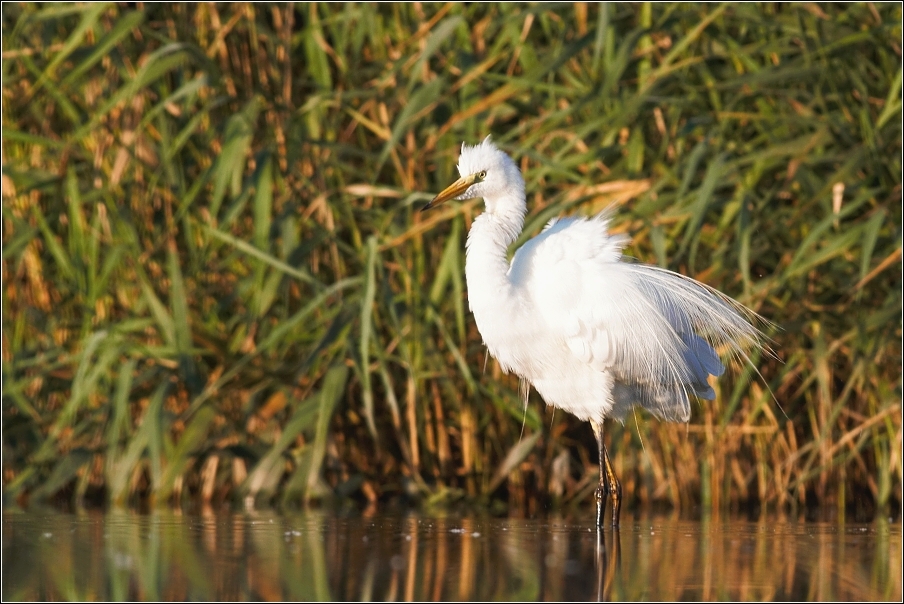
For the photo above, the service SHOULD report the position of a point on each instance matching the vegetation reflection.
(171, 557)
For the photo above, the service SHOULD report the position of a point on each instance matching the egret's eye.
(482, 175)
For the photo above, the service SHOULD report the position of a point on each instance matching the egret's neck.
(487, 264)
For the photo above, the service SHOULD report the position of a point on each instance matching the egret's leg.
(601, 491)
(609, 484)
(613, 486)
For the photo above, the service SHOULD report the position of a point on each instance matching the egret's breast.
(578, 389)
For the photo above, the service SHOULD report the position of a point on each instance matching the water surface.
(318, 556)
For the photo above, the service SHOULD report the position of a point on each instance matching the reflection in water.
(316, 556)
(608, 563)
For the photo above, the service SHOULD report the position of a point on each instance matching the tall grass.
(216, 283)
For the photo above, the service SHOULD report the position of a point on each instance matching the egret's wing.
(653, 329)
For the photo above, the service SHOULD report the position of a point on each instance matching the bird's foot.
(603, 494)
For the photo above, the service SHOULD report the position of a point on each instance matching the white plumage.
(593, 333)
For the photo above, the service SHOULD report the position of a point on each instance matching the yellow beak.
(452, 191)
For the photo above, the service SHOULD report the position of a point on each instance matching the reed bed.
(217, 286)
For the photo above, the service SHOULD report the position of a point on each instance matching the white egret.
(593, 333)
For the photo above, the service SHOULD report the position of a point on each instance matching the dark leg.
(613, 486)
(609, 484)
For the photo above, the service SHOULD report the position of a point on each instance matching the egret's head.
(485, 172)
